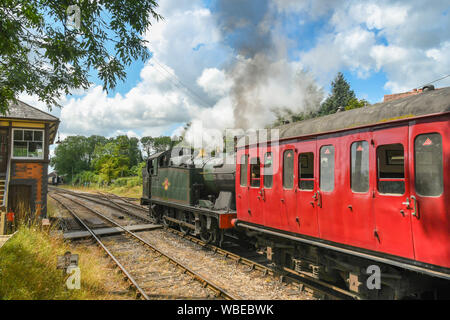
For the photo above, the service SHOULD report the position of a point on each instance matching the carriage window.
(391, 169)
(268, 170)
(327, 168)
(360, 166)
(255, 172)
(306, 171)
(428, 164)
(288, 169)
(243, 170)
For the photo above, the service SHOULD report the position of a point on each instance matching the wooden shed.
(26, 134)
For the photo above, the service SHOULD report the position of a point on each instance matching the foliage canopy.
(42, 55)
(97, 155)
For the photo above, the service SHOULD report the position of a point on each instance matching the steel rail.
(94, 198)
(312, 283)
(129, 203)
(208, 283)
(109, 199)
(318, 286)
(141, 292)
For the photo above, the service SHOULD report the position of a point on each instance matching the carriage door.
(242, 207)
(255, 193)
(288, 202)
(392, 194)
(430, 185)
(326, 198)
(270, 197)
(306, 189)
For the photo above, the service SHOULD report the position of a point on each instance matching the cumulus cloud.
(214, 82)
(403, 39)
(185, 45)
(196, 60)
(152, 106)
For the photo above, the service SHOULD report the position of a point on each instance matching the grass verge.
(28, 269)
(124, 191)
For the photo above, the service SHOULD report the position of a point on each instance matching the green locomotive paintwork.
(176, 184)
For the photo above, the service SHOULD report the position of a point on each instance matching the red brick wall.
(395, 96)
(31, 171)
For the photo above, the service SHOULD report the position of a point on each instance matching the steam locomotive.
(333, 198)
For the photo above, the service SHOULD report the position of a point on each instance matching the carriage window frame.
(291, 186)
(256, 165)
(389, 162)
(441, 163)
(321, 173)
(15, 139)
(243, 164)
(270, 167)
(365, 145)
(301, 165)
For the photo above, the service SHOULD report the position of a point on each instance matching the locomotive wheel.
(209, 236)
(183, 216)
(166, 222)
(155, 215)
(185, 230)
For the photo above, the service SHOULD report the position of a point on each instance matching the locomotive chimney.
(429, 87)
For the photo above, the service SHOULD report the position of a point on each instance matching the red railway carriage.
(371, 182)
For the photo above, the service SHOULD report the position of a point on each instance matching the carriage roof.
(426, 103)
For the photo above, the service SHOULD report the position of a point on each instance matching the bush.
(127, 182)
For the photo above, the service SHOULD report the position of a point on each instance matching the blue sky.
(206, 49)
(304, 36)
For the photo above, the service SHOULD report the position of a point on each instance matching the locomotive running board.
(396, 263)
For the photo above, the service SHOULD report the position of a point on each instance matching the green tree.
(110, 161)
(341, 95)
(129, 147)
(71, 156)
(147, 144)
(162, 143)
(355, 104)
(41, 54)
(156, 144)
(92, 142)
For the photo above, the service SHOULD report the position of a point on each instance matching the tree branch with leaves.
(42, 56)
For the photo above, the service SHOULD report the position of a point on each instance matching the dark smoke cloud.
(242, 24)
(251, 28)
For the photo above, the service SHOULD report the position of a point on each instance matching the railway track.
(127, 242)
(320, 288)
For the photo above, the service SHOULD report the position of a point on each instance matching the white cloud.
(214, 82)
(183, 45)
(407, 40)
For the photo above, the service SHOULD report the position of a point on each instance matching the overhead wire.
(432, 82)
(180, 84)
